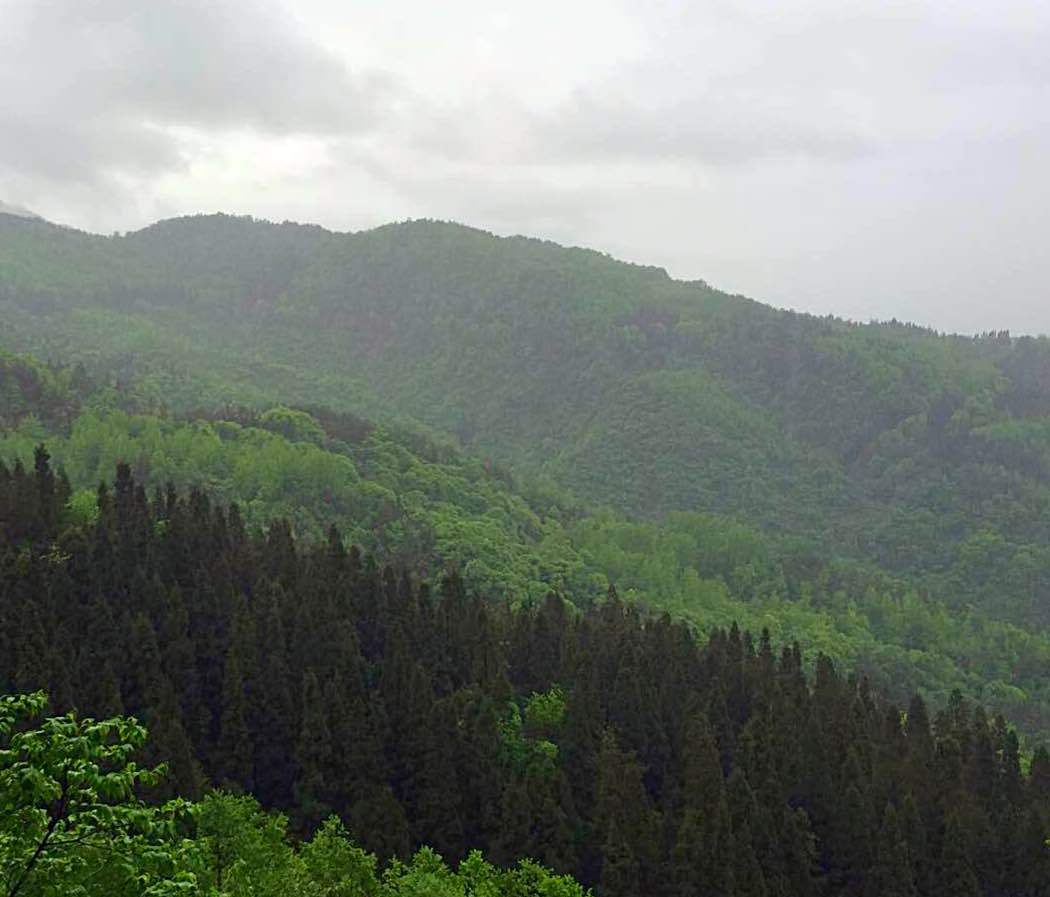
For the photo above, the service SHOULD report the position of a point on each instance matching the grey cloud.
(563, 205)
(730, 128)
(876, 158)
(753, 96)
(102, 86)
(738, 83)
(83, 150)
(602, 125)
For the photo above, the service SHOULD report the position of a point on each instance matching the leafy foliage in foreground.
(605, 744)
(71, 823)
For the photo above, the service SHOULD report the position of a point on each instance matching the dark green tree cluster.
(604, 744)
(418, 502)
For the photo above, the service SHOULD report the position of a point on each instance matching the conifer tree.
(325, 684)
(955, 873)
(515, 822)
(434, 790)
(705, 839)
(892, 874)
(624, 821)
(313, 756)
(271, 711)
(235, 748)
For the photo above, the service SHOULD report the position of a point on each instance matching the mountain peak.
(18, 211)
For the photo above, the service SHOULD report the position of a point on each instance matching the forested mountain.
(504, 425)
(926, 455)
(603, 743)
(885, 475)
(422, 504)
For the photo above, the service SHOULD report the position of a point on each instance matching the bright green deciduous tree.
(70, 821)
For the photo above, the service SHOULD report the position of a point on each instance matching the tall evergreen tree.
(891, 875)
(313, 756)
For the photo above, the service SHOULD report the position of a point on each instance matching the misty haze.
(578, 450)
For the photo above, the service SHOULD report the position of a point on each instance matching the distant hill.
(923, 454)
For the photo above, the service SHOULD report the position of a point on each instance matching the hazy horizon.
(884, 161)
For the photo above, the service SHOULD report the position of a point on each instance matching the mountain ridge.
(897, 478)
(918, 451)
(17, 211)
(176, 222)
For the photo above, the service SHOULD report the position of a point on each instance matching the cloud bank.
(874, 159)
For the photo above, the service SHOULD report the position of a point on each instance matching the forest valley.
(423, 562)
(602, 743)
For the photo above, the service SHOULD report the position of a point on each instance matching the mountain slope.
(924, 454)
(603, 743)
(420, 503)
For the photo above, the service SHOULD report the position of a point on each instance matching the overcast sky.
(870, 159)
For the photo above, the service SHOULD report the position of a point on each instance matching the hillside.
(924, 454)
(421, 504)
(603, 743)
(458, 541)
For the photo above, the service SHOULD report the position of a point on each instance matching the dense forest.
(922, 454)
(418, 502)
(603, 743)
(74, 822)
(435, 551)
